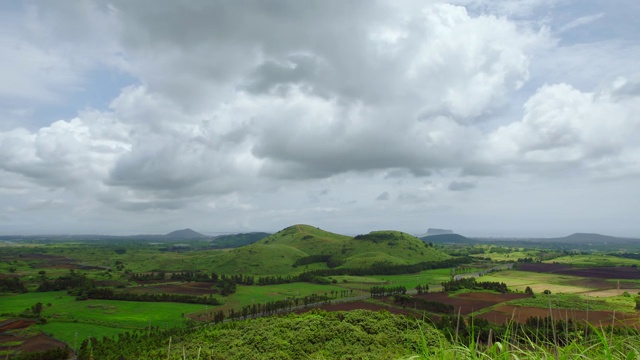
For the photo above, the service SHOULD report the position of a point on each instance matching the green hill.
(303, 247)
(311, 240)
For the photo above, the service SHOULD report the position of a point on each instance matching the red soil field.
(502, 314)
(15, 324)
(32, 343)
(467, 303)
(617, 272)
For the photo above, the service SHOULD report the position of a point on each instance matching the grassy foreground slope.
(277, 254)
(359, 334)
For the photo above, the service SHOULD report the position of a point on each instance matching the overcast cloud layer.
(509, 118)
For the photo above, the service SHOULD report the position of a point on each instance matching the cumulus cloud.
(564, 129)
(230, 103)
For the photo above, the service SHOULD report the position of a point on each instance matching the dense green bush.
(358, 334)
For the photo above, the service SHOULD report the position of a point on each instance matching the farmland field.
(97, 317)
(576, 290)
(598, 260)
(519, 280)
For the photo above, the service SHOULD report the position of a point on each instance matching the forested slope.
(358, 334)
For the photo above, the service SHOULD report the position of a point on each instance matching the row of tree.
(384, 269)
(108, 294)
(472, 284)
(214, 278)
(381, 291)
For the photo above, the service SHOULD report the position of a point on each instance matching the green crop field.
(119, 315)
(67, 331)
(594, 260)
(519, 280)
(578, 302)
(248, 295)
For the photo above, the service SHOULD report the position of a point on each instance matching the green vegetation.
(357, 334)
(577, 302)
(266, 278)
(538, 282)
(595, 260)
(66, 331)
(109, 313)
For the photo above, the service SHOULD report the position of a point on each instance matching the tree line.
(384, 269)
(472, 284)
(214, 278)
(108, 294)
(382, 291)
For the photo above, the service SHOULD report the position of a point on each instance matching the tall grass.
(599, 343)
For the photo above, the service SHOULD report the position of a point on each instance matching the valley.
(63, 295)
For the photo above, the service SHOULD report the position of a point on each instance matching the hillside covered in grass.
(358, 334)
(303, 247)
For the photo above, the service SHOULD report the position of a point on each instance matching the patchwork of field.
(592, 272)
(68, 318)
(594, 260)
(433, 278)
(539, 282)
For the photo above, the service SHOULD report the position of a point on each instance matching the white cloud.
(242, 111)
(564, 129)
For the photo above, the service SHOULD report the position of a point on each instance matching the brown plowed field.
(15, 324)
(617, 272)
(504, 313)
(467, 303)
(32, 343)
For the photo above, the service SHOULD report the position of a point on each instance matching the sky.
(490, 118)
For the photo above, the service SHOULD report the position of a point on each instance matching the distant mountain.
(431, 232)
(448, 239)
(237, 240)
(589, 238)
(185, 234)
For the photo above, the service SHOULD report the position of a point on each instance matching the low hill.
(588, 238)
(185, 234)
(448, 239)
(237, 240)
(280, 253)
